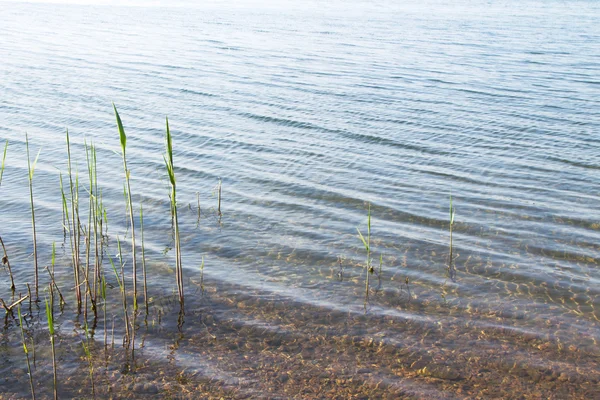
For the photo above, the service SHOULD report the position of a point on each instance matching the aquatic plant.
(219, 188)
(53, 286)
(168, 157)
(88, 353)
(202, 276)
(143, 258)
(26, 351)
(103, 295)
(451, 267)
(121, 281)
(87, 271)
(74, 231)
(31, 170)
(50, 319)
(368, 266)
(3, 161)
(123, 139)
(94, 216)
(5, 261)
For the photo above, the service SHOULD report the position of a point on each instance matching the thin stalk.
(16, 303)
(50, 318)
(86, 273)
(219, 197)
(6, 262)
(369, 268)
(29, 296)
(3, 161)
(31, 169)
(202, 276)
(121, 281)
(103, 295)
(88, 238)
(97, 226)
(5, 257)
(451, 267)
(143, 258)
(74, 231)
(88, 353)
(65, 208)
(171, 172)
(26, 350)
(62, 299)
(123, 138)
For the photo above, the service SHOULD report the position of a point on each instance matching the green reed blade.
(169, 144)
(121, 130)
(451, 211)
(362, 238)
(26, 350)
(129, 203)
(35, 257)
(50, 318)
(112, 263)
(3, 161)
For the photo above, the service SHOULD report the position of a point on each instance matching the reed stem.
(451, 266)
(143, 258)
(368, 267)
(31, 169)
(171, 172)
(74, 231)
(219, 197)
(123, 138)
(50, 318)
(6, 262)
(53, 282)
(26, 350)
(3, 161)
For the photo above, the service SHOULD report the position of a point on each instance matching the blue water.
(310, 112)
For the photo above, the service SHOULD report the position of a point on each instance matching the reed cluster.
(86, 243)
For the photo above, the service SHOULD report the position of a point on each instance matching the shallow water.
(307, 114)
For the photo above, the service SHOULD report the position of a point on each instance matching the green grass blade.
(451, 211)
(31, 166)
(114, 267)
(169, 144)
(170, 171)
(121, 130)
(50, 318)
(3, 161)
(360, 235)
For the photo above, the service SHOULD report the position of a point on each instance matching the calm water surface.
(308, 113)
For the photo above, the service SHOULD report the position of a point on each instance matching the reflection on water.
(308, 114)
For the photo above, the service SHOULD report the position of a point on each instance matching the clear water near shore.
(308, 113)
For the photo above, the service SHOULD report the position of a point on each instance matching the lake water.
(308, 113)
